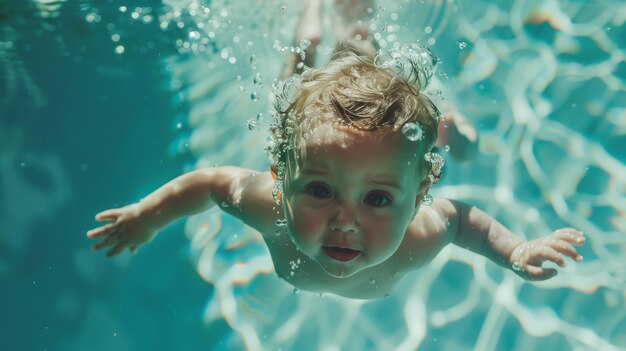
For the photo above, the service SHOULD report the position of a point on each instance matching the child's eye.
(318, 190)
(377, 199)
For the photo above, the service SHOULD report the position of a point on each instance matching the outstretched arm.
(191, 193)
(479, 232)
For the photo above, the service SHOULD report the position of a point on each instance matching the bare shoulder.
(432, 229)
(247, 195)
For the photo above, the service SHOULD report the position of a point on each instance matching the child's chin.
(339, 271)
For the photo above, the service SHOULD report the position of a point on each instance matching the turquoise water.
(102, 102)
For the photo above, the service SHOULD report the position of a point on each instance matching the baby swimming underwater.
(347, 190)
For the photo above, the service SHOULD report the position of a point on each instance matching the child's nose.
(345, 219)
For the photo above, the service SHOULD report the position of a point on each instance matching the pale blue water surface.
(103, 101)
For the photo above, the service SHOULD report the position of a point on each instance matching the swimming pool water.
(101, 102)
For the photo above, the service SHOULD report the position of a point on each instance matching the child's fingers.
(571, 236)
(567, 249)
(549, 254)
(100, 231)
(116, 250)
(540, 253)
(104, 243)
(108, 214)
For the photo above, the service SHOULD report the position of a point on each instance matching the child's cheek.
(390, 241)
(306, 223)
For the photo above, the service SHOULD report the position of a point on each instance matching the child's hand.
(128, 230)
(527, 258)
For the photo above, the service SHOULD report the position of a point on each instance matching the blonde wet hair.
(384, 93)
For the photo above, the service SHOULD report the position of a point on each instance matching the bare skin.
(355, 227)
(350, 24)
(352, 202)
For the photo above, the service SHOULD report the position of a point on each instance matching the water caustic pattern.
(544, 81)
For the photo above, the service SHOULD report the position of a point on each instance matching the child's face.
(350, 196)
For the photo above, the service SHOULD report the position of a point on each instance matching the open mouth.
(341, 254)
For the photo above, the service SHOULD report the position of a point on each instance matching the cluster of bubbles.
(284, 95)
(299, 49)
(294, 265)
(286, 92)
(278, 187)
(436, 166)
(415, 63)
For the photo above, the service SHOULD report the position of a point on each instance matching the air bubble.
(516, 267)
(462, 45)
(258, 79)
(427, 200)
(447, 148)
(412, 131)
(252, 124)
(254, 96)
(254, 60)
(280, 222)
(304, 44)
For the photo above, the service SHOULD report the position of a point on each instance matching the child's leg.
(350, 24)
(309, 29)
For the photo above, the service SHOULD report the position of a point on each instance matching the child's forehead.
(335, 139)
(325, 132)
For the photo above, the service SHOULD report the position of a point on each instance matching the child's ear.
(422, 191)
